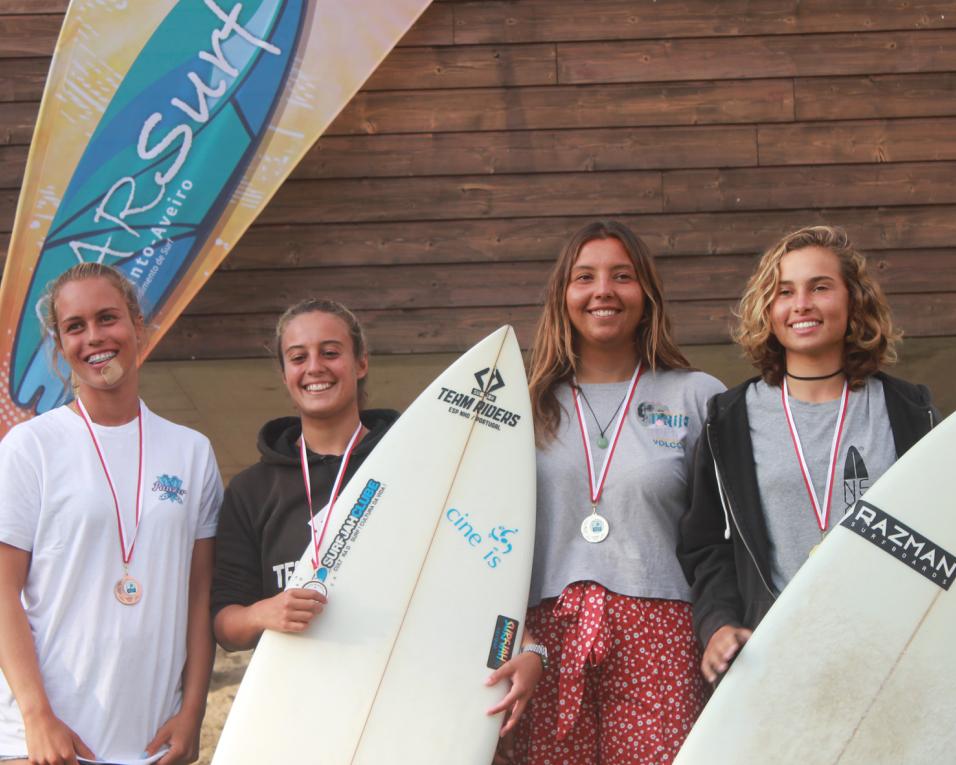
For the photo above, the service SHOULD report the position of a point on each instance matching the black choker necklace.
(820, 377)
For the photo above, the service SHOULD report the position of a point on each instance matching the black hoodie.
(264, 522)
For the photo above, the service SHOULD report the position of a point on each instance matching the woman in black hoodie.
(269, 508)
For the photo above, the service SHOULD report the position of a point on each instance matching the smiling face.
(97, 335)
(320, 369)
(604, 298)
(809, 314)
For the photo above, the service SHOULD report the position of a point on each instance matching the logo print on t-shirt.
(170, 487)
(856, 480)
(654, 415)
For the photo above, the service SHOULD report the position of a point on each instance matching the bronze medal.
(128, 591)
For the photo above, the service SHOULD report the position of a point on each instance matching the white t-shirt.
(112, 672)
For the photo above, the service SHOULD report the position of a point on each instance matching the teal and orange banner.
(165, 128)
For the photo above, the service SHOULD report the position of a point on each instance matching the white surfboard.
(427, 561)
(854, 662)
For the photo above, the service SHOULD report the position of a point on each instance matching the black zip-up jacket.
(730, 578)
(264, 521)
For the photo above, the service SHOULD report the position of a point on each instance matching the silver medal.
(315, 584)
(595, 528)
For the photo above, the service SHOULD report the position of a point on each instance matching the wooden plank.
(742, 58)
(439, 198)
(628, 105)
(491, 241)
(370, 288)
(468, 285)
(426, 331)
(464, 67)
(447, 286)
(910, 95)
(529, 151)
(22, 79)
(17, 121)
(412, 331)
(915, 183)
(434, 27)
(13, 159)
(11, 7)
(915, 271)
(8, 206)
(23, 36)
(928, 315)
(453, 330)
(565, 20)
(862, 141)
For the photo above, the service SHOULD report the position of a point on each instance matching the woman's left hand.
(524, 671)
(181, 734)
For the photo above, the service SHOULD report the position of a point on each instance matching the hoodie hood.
(277, 438)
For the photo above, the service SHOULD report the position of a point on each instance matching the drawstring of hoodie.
(723, 501)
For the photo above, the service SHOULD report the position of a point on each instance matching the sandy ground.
(226, 675)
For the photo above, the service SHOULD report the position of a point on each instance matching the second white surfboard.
(853, 663)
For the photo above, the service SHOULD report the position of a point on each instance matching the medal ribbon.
(317, 538)
(596, 488)
(822, 513)
(126, 555)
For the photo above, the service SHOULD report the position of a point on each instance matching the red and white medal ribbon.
(134, 593)
(317, 537)
(822, 512)
(596, 484)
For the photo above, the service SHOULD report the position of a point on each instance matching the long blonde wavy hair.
(870, 336)
(554, 356)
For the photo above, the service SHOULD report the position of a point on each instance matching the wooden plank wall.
(442, 193)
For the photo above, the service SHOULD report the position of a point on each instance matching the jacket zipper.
(733, 517)
(931, 423)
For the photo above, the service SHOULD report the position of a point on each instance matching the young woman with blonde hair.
(785, 454)
(107, 513)
(618, 413)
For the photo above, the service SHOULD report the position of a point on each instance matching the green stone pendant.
(602, 442)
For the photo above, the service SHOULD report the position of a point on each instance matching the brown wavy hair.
(871, 337)
(553, 355)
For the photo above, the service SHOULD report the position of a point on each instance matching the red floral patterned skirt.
(623, 683)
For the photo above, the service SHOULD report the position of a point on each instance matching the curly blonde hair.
(553, 355)
(870, 337)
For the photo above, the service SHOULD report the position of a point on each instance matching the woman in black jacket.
(273, 510)
(785, 454)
